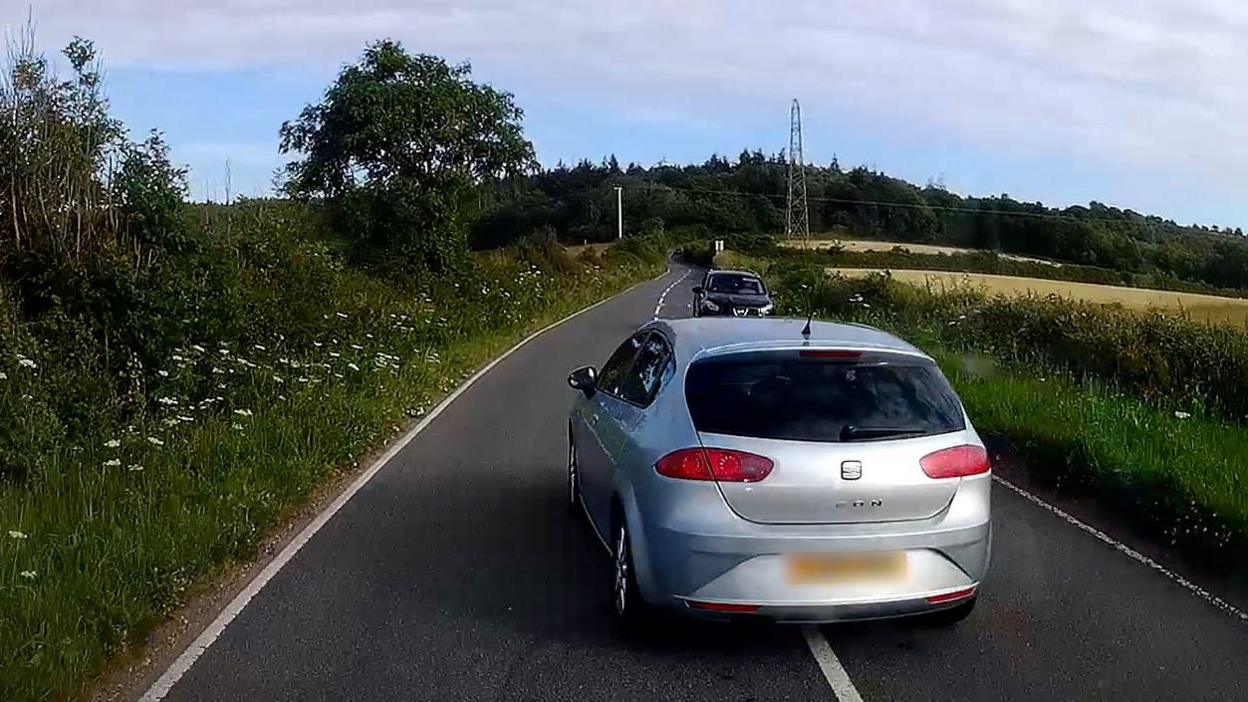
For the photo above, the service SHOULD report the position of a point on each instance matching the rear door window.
(789, 396)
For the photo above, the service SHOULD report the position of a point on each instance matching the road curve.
(455, 574)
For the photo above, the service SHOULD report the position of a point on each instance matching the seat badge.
(851, 470)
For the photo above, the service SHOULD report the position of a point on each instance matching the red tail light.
(951, 596)
(956, 462)
(829, 353)
(723, 607)
(723, 465)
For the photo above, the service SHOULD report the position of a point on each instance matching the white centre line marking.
(1130, 552)
(831, 666)
(179, 667)
(663, 297)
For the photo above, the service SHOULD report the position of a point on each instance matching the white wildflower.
(163, 373)
(112, 443)
(185, 418)
(357, 347)
(260, 347)
(236, 426)
(14, 534)
(179, 359)
(28, 574)
(134, 468)
(353, 367)
(154, 441)
(198, 348)
(341, 315)
(4, 376)
(1183, 415)
(335, 354)
(167, 401)
(112, 463)
(26, 363)
(243, 412)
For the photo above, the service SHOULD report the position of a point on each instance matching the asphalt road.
(456, 574)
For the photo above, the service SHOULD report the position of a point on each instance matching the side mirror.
(584, 379)
(698, 290)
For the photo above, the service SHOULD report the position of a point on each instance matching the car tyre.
(633, 615)
(953, 615)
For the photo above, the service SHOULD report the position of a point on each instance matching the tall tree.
(395, 144)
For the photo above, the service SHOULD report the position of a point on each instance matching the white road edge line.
(183, 663)
(663, 297)
(1131, 553)
(831, 666)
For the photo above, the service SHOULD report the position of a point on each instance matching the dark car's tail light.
(956, 462)
(724, 465)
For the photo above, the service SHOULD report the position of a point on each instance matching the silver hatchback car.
(743, 468)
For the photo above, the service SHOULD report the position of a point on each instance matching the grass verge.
(109, 530)
(1181, 475)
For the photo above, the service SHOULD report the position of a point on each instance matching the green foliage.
(992, 263)
(394, 146)
(749, 196)
(149, 193)
(1161, 358)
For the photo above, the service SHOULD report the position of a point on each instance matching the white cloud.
(1138, 85)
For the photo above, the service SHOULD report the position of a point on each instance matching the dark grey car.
(731, 294)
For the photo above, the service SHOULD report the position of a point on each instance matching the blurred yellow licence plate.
(828, 568)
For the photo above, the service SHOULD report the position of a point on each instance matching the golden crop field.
(857, 245)
(1210, 308)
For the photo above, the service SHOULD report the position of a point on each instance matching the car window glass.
(795, 398)
(615, 368)
(736, 285)
(641, 383)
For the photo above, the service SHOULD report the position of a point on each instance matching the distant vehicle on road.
(731, 293)
(748, 469)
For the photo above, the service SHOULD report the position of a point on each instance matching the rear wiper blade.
(851, 432)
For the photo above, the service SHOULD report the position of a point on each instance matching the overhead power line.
(904, 205)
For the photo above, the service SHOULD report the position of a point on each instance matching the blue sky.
(1138, 104)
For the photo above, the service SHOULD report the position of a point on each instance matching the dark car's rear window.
(788, 396)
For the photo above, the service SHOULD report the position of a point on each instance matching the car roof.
(703, 336)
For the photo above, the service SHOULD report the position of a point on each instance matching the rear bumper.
(695, 558)
(822, 613)
(754, 571)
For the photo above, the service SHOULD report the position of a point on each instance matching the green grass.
(1184, 475)
(109, 529)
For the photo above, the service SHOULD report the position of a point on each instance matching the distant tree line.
(721, 196)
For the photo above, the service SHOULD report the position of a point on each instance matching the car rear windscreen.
(790, 396)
